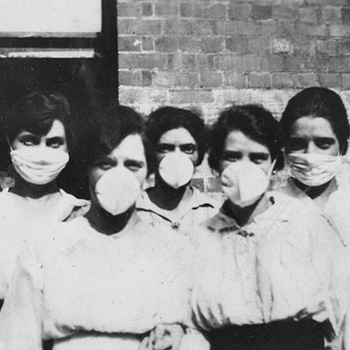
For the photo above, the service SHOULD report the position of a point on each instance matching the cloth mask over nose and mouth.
(117, 190)
(313, 169)
(39, 166)
(244, 183)
(176, 170)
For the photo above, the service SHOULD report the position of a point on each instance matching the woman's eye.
(323, 144)
(188, 149)
(29, 140)
(165, 148)
(231, 157)
(104, 165)
(133, 166)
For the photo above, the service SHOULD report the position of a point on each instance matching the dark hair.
(35, 113)
(169, 118)
(318, 102)
(255, 122)
(110, 128)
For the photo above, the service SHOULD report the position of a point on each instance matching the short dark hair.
(255, 122)
(111, 127)
(168, 118)
(35, 112)
(318, 102)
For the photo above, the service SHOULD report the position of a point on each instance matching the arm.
(21, 316)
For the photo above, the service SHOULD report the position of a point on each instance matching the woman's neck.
(245, 215)
(165, 196)
(313, 191)
(109, 224)
(28, 190)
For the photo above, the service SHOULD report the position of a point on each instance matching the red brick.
(146, 78)
(166, 8)
(345, 47)
(147, 9)
(331, 14)
(239, 63)
(237, 28)
(147, 43)
(311, 30)
(187, 79)
(329, 47)
(204, 61)
(189, 44)
(299, 63)
(148, 27)
(129, 43)
(189, 27)
(273, 63)
(239, 10)
(214, 185)
(235, 79)
(339, 30)
(327, 2)
(259, 46)
(164, 78)
(339, 64)
(330, 80)
(184, 61)
(166, 44)
(303, 80)
(127, 26)
(128, 9)
(130, 78)
(191, 96)
(212, 44)
(172, 79)
(237, 44)
(198, 183)
(216, 11)
(210, 79)
(283, 13)
(269, 30)
(346, 81)
(259, 80)
(309, 14)
(186, 9)
(283, 81)
(304, 47)
(261, 12)
(345, 15)
(142, 61)
(322, 63)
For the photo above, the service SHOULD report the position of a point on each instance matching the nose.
(311, 148)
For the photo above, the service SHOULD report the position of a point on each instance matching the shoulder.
(202, 199)
(75, 207)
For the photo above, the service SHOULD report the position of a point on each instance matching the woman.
(316, 132)
(39, 139)
(267, 277)
(179, 137)
(105, 280)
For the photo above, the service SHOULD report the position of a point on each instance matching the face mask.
(39, 167)
(117, 190)
(176, 170)
(244, 183)
(313, 169)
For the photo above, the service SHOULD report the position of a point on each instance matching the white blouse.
(286, 263)
(91, 291)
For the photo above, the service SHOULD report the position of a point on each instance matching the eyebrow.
(263, 155)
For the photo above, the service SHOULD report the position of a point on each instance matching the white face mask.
(176, 170)
(117, 190)
(39, 167)
(244, 182)
(313, 169)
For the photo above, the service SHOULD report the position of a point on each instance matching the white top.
(286, 263)
(194, 208)
(91, 291)
(17, 228)
(334, 203)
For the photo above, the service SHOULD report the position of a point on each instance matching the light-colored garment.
(17, 228)
(284, 264)
(336, 200)
(194, 208)
(90, 291)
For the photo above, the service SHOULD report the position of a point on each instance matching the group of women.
(166, 268)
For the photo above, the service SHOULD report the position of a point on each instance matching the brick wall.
(208, 53)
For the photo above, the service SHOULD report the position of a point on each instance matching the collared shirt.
(284, 263)
(91, 291)
(17, 228)
(194, 208)
(335, 203)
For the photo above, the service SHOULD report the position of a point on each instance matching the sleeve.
(22, 313)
